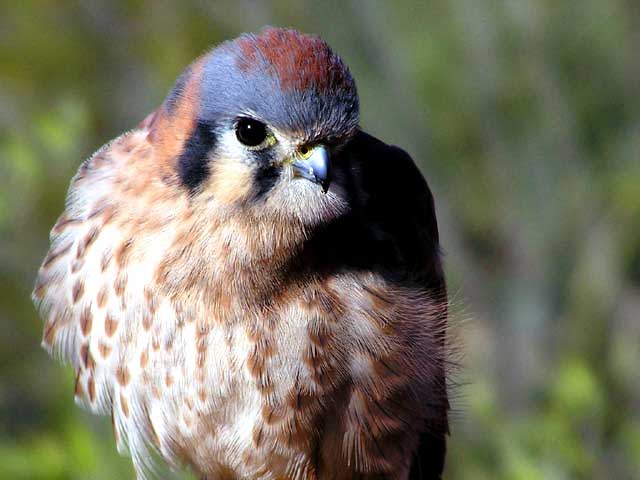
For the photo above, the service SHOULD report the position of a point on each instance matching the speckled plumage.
(236, 319)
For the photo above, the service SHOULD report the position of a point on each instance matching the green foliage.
(523, 115)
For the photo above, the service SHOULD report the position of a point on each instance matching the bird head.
(256, 124)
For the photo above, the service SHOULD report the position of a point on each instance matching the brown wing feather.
(399, 206)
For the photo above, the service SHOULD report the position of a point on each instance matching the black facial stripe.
(265, 178)
(193, 164)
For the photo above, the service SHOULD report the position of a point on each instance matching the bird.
(251, 285)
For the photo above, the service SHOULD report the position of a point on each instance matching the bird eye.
(251, 132)
(304, 151)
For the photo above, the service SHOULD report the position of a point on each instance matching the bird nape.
(251, 285)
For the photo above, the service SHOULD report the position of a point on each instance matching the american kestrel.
(251, 285)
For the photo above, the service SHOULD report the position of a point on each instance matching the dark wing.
(398, 206)
(397, 200)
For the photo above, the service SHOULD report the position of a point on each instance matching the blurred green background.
(525, 118)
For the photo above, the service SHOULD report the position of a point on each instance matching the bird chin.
(305, 202)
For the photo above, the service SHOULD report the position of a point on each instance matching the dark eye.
(251, 132)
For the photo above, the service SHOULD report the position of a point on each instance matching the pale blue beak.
(316, 167)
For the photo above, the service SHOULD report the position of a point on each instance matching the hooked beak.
(315, 167)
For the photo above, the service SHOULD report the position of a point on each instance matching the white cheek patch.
(229, 146)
